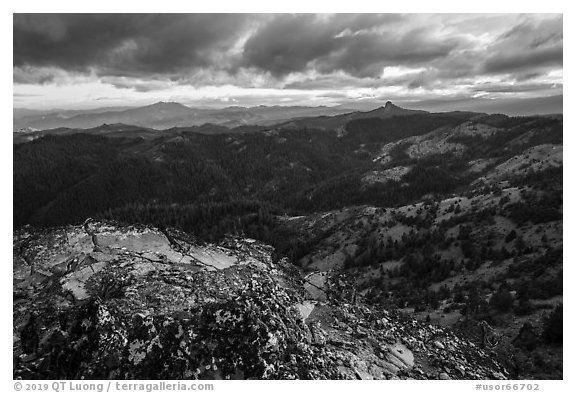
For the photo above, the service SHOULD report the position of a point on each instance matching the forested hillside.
(454, 217)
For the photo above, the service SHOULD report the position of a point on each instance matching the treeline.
(425, 177)
(43, 169)
(208, 221)
(63, 180)
(385, 130)
(211, 222)
(536, 208)
(543, 130)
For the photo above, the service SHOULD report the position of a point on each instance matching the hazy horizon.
(511, 107)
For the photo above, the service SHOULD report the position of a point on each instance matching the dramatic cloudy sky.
(81, 61)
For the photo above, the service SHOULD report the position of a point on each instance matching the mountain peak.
(167, 104)
(389, 109)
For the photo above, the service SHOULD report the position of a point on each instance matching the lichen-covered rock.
(147, 314)
(104, 301)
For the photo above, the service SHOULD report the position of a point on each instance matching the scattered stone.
(498, 375)
(439, 345)
(318, 336)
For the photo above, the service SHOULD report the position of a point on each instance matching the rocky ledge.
(103, 300)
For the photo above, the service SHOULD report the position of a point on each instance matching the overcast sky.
(84, 61)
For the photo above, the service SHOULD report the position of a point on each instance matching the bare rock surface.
(102, 301)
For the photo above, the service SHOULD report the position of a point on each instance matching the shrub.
(502, 300)
(511, 236)
(553, 329)
(525, 307)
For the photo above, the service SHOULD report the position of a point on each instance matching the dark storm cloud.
(136, 84)
(501, 63)
(366, 55)
(528, 45)
(122, 44)
(495, 88)
(345, 81)
(35, 76)
(142, 53)
(361, 45)
(288, 43)
(327, 82)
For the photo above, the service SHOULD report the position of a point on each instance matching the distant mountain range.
(507, 106)
(19, 113)
(338, 122)
(164, 115)
(536, 106)
(167, 118)
(144, 122)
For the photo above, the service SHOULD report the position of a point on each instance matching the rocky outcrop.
(108, 301)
